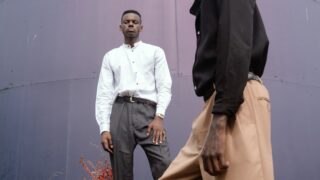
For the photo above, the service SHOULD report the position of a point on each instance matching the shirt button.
(195, 88)
(198, 32)
(132, 61)
(137, 83)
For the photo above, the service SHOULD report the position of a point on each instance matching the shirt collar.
(135, 45)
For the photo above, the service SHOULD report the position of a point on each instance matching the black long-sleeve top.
(231, 41)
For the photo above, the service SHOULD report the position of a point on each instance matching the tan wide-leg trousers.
(248, 142)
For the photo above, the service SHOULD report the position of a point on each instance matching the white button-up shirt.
(141, 71)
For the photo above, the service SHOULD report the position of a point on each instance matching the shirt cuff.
(104, 127)
(160, 111)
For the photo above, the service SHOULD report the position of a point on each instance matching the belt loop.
(131, 100)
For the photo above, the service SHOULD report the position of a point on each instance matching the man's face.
(131, 25)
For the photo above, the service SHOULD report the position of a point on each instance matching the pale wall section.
(50, 57)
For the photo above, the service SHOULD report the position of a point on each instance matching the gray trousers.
(129, 124)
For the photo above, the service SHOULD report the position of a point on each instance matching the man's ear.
(141, 28)
(120, 27)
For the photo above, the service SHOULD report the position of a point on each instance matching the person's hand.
(106, 141)
(213, 154)
(156, 126)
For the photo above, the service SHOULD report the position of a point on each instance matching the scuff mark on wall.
(299, 84)
(35, 37)
(13, 86)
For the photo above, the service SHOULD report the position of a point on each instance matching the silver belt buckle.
(131, 100)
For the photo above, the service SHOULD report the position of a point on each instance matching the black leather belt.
(252, 76)
(135, 100)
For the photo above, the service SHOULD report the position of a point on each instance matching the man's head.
(131, 25)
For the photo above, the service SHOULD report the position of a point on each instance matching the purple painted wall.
(50, 56)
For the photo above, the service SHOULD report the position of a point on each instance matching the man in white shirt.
(133, 93)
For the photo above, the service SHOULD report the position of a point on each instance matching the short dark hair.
(131, 11)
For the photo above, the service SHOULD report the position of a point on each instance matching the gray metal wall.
(50, 56)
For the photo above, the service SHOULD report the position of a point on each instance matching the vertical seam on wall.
(176, 29)
(68, 134)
